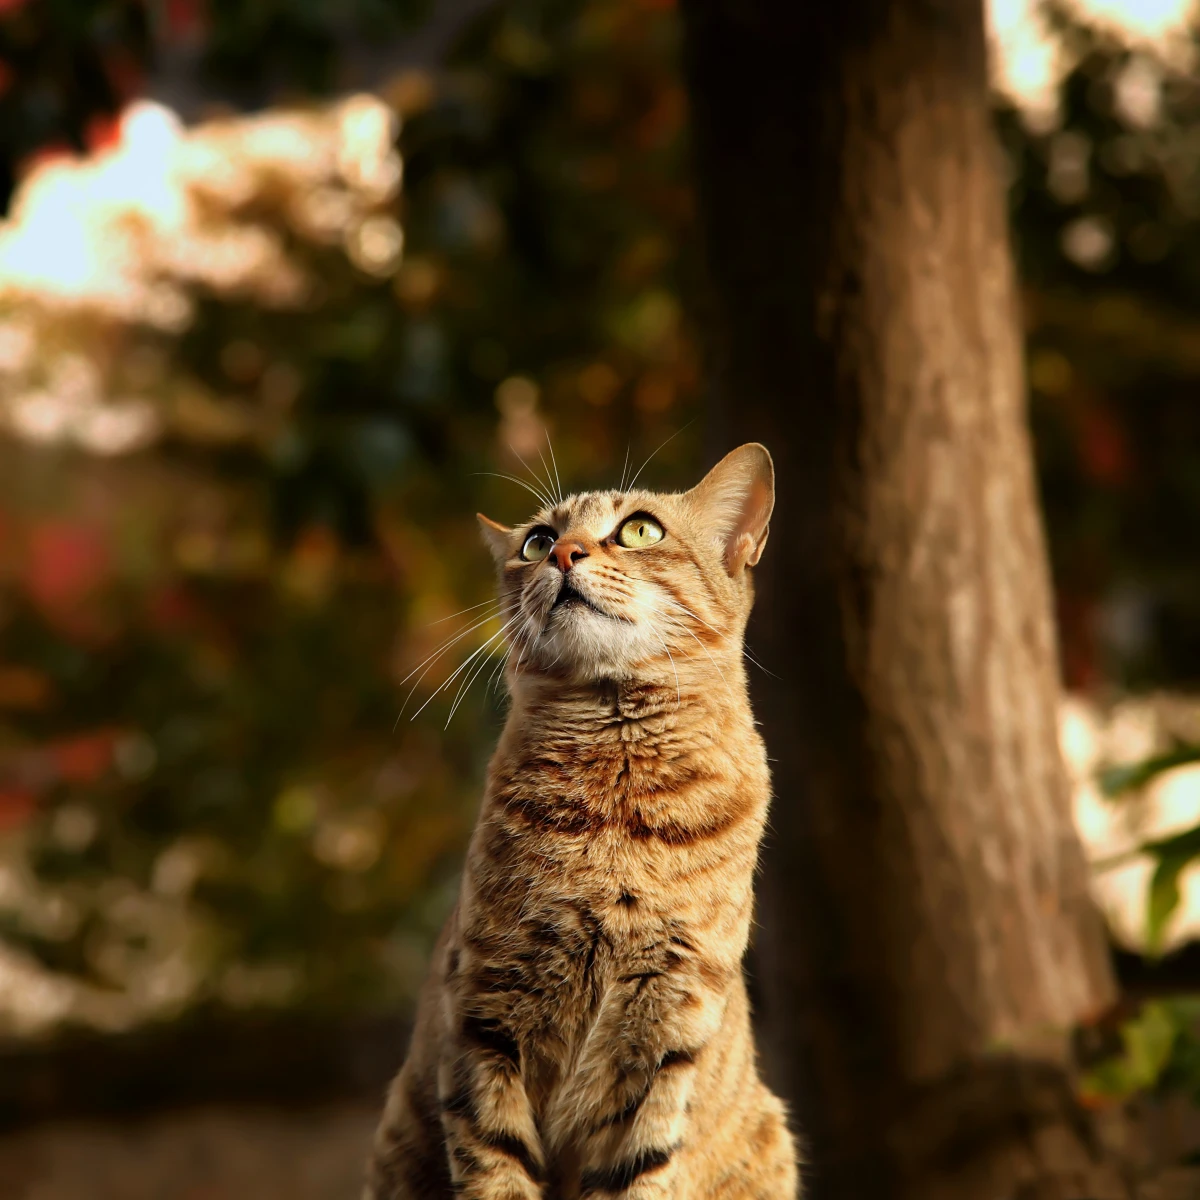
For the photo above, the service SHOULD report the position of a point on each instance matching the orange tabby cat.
(585, 1028)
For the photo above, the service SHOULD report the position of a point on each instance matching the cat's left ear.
(735, 500)
(496, 537)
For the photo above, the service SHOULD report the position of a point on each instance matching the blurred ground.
(247, 1153)
(207, 1154)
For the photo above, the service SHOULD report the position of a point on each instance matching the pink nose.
(565, 555)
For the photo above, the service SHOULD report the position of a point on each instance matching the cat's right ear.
(735, 500)
(497, 538)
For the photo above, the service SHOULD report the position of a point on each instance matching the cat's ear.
(735, 500)
(496, 537)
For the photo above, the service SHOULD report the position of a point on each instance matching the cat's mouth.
(569, 597)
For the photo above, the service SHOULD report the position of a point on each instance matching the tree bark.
(927, 938)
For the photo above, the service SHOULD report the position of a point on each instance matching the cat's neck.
(681, 694)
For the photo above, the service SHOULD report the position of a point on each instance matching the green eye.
(537, 545)
(639, 532)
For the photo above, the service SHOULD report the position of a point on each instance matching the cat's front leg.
(632, 1152)
(492, 1141)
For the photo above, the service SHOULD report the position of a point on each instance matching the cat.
(585, 1029)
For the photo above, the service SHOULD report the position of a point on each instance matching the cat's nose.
(565, 555)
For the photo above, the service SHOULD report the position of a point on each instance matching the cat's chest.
(605, 780)
(576, 927)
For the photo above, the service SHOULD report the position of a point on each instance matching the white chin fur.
(589, 645)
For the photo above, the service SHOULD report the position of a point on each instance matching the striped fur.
(585, 1030)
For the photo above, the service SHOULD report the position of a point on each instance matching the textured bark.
(927, 938)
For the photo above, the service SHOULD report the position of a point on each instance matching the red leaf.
(50, 152)
(1104, 448)
(170, 609)
(1094, 1101)
(185, 19)
(102, 131)
(16, 804)
(85, 758)
(1077, 640)
(66, 565)
(24, 689)
(124, 73)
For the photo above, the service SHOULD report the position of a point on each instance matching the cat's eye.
(639, 531)
(537, 545)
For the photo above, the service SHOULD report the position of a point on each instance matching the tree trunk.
(927, 937)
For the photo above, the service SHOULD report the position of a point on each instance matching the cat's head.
(606, 584)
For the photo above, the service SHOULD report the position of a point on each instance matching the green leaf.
(1149, 1042)
(1114, 781)
(1162, 901)
(1185, 844)
(1174, 855)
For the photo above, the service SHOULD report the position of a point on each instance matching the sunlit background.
(285, 291)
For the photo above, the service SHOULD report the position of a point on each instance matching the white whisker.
(546, 468)
(666, 648)
(495, 676)
(648, 461)
(704, 648)
(428, 662)
(550, 446)
(527, 626)
(465, 686)
(462, 666)
(461, 612)
(543, 500)
(754, 661)
(445, 645)
(544, 485)
(676, 623)
(722, 636)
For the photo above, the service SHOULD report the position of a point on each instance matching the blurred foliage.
(204, 633)
(1116, 780)
(1172, 855)
(68, 66)
(1156, 1051)
(1159, 1052)
(1105, 205)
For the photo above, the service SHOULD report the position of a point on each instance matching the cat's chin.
(590, 643)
